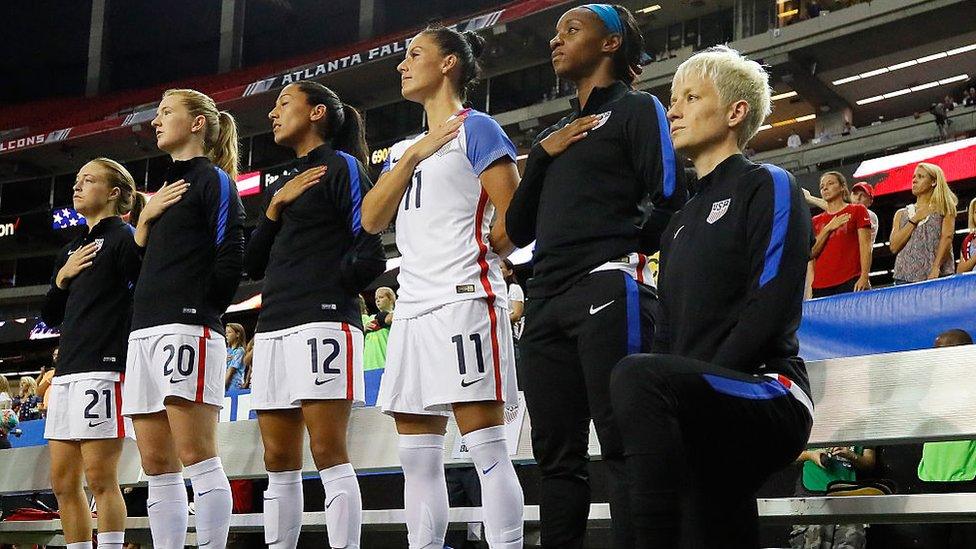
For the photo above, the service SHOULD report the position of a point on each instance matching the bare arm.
(945, 244)
(516, 310)
(865, 244)
(381, 202)
(499, 180)
(899, 234)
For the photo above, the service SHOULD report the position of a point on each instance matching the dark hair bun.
(476, 41)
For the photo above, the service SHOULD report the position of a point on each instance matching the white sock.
(168, 510)
(424, 490)
(79, 545)
(501, 493)
(111, 540)
(212, 502)
(283, 506)
(343, 506)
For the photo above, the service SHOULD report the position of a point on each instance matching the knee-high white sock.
(283, 506)
(212, 502)
(424, 490)
(343, 506)
(168, 510)
(501, 493)
(111, 540)
(79, 545)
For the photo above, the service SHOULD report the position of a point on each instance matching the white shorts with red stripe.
(173, 360)
(315, 361)
(86, 406)
(461, 352)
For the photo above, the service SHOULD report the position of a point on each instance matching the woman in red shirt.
(842, 251)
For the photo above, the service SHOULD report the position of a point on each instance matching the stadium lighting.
(784, 95)
(650, 9)
(920, 87)
(787, 122)
(905, 64)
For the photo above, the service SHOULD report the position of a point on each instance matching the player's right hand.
(293, 189)
(438, 137)
(560, 140)
(168, 194)
(81, 259)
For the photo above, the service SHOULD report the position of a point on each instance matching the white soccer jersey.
(443, 222)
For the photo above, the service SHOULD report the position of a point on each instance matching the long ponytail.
(344, 128)
(351, 136)
(220, 138)
(225, 152)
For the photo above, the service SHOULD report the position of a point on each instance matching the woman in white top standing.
(450, 347)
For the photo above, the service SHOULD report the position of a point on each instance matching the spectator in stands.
(794, 141)
(821, 466)
(378, 329)
(921, 233)
(849, 129)
(516, 301)
(967, 251)
(949, 103)
(28, 404)
(8, 419)
(6, 401)
(236, 341)
(842, 250)
(942, 122)
(44, 380)
(970, 98)
(863, 194)
(248, 363)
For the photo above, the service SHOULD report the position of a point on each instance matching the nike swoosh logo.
(199, 494)
(91, 424)
(470, 383)
(488, 470)
(323, 381)
(595, 310)
(327, 505)
(153, 503)
(171, 380)
(676, 232)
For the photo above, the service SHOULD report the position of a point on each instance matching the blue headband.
(609, 16)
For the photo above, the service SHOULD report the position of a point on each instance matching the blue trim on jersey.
(667, 147)
(781, 219)
(765, 390)
(633, 315)
(486, 141)
(224, 206)
(356, 214)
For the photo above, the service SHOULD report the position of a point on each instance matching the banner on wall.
(898, 318)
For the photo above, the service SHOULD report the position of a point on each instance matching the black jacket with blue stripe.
(732, 272)
(94, 311)
(606, 196)
(195, 252)
(316, 258)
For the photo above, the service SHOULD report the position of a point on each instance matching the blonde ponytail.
(220, 138)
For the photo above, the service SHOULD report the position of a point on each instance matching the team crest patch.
(718, 210)
(601, 119)
(98, 244)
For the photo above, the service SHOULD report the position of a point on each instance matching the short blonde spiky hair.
(737, 79)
